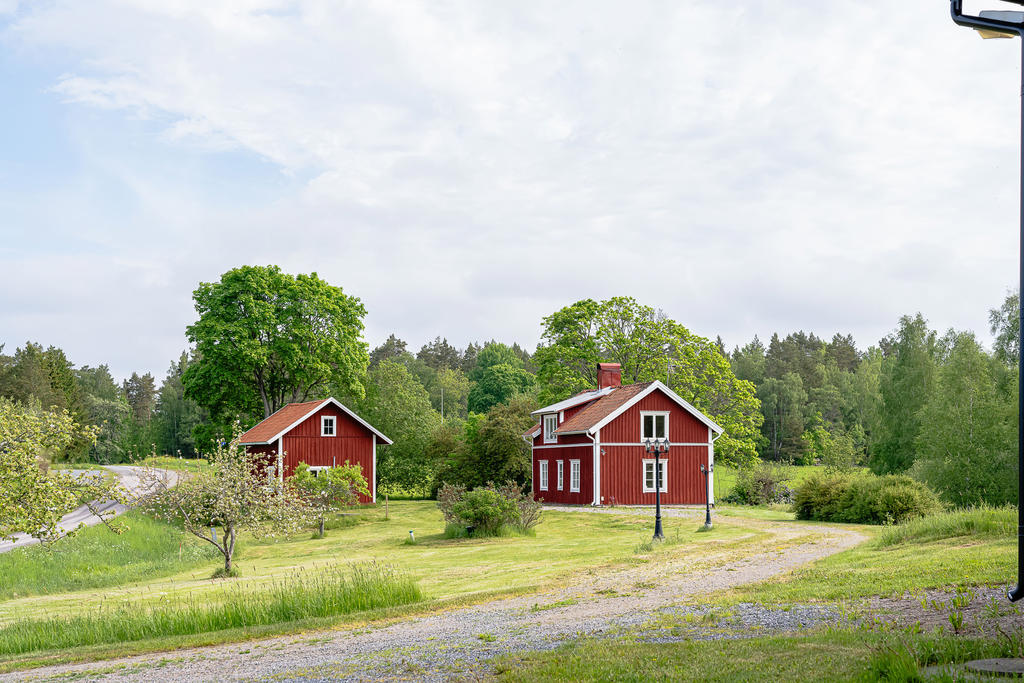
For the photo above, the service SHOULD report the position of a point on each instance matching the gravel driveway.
(456, 643)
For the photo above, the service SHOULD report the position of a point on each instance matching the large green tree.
(1004, 323)
(649, 346)
(176, 416)
(265, 338)
(904, 385)
(966, 447)
(398, 405)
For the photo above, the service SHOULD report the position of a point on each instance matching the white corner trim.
(373, 475)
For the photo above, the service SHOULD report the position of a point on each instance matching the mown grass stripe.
(321, 593)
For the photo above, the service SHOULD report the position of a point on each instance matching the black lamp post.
(997, 24)
(657, 446)
(707, 495)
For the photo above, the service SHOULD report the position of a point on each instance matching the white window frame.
(655, 414)
(649, 463)
(558, 481)
(542, 485)
(574, 476)
(323, 425)
(317, 469)
(550, 425)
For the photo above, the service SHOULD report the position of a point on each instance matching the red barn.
(321, 434)
(588, 450)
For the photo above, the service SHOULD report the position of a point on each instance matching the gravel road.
(457, 643)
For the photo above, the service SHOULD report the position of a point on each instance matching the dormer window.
(550, 425)
(327, 425)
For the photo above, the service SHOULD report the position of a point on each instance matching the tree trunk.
(229, 548)
(321, 526)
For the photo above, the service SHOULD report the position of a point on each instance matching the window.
(574, 476)
(558, 482)
(327, 425)
(655, 425)
(543, 475)
(649, 476)
(316, 470)
(550, 425)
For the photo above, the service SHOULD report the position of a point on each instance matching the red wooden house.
(588, 449)
(321, 434)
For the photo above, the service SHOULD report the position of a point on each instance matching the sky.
(467, 168)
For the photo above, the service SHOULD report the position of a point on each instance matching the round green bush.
(863, 499)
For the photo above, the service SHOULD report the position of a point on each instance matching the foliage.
(836, 452)
(233, 494)
(488, 510)
(648, 346)
(761, 485)
(96, 557)
(491, 447)
(497, 384)
(1004, 324)
(330, 490)
(904, 385)
(863, 498)
(34, 500)
(176, 417)
(327, 592)
(967, 446)
(265, 338)
(484, 511)
(398, 405)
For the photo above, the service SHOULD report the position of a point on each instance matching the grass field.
(838, 655)
(975, 547)
(97, 557)
(445, 571)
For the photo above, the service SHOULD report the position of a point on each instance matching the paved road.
(129, 477)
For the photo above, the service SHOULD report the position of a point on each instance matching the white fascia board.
(573, 401)
(319, 406)
(655, 385)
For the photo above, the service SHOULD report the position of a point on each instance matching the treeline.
(133, 417)
(937, 406)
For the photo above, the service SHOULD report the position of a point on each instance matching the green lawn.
(446, 571)
(835, 655)
(975, 547)
(97, 557)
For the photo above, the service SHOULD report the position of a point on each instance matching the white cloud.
(467, 168)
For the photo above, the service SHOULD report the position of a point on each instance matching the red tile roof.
(278, 422)
(601, 408)
(532, 430)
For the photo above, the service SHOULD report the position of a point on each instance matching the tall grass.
(979, 522)
(97, 557)
(319, 593)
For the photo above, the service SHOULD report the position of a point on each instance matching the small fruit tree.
(233, 494)
(32, 499)
(329, 489)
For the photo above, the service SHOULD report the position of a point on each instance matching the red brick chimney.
(609, 375)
